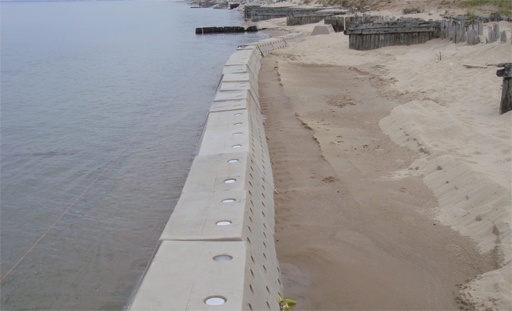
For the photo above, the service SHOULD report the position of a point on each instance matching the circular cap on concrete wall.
(215, 300)
(223, 258)
(233, 161)
(223, 223)
(229, 181)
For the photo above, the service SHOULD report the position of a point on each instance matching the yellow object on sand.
(286, 304)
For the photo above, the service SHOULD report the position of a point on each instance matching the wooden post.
(506, 92)
(456, 35)
(496, 29)
(480, 28)
(441, 27)
(503, 36)
(490, 34)
(462, 30)
(476, 30)
(473, 35)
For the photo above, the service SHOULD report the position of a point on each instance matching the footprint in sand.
(453, 248)
(409, 220)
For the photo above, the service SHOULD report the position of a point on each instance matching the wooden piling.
(496, 28)
(506, 92)
(490, 34)
(473, 37)
(480, 28)
(503, 37)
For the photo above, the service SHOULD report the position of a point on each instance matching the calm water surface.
(102, 105)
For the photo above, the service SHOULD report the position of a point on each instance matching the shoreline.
(358, 224)
(219, 241)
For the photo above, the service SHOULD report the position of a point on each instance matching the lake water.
(102, 106)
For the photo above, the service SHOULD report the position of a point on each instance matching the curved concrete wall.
(217, 251)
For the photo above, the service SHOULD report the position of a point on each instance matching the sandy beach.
(392, 171)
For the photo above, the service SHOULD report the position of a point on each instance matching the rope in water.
(79, 197)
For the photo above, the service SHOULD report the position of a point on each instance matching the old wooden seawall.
(257, 13)
(470, 31)
(377, 35)
(341, 23)
(292, 20)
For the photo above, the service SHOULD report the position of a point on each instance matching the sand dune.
(393, 171)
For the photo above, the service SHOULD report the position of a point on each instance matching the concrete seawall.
(217, 251)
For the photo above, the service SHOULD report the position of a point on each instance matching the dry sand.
(392, 170)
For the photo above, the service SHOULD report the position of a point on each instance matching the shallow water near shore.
(102, 105)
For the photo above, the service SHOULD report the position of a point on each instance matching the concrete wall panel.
(184, 274)
(242, 69)
(293, 37)
(217, 173)
(207, 216)
(251, 68)
(230, 105)
(278, 43)
(240, 77)
(232, 86)
(235, 91)
(244, 56)
(226, 132)
(265, 46)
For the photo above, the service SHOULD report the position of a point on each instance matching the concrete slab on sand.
(322, 30)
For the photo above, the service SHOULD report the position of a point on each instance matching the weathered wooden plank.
(491, 34)
(473, 66)
(472, 35)
(480, 28)
(496, 28)
(506, 91)
(506, 96)
(503, 37)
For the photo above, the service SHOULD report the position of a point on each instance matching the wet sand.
(349, 236)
